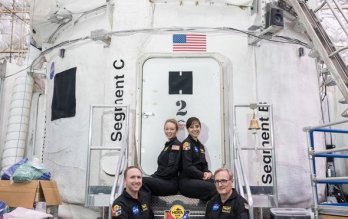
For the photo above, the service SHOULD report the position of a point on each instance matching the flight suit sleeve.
(204, 161)
(187, 164)
(119, 211)
(205, 167)
(207, 210)
(242, 209)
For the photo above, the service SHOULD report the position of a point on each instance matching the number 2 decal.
(182, 105)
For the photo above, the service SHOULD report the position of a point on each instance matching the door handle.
(147, 114)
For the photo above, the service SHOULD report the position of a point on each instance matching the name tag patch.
(226, 209)
(144, 207)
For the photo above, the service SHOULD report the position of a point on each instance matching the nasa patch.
(135, 210)
(215, 207)
(196, 149)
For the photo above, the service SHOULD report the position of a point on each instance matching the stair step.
(263, 201)
(98, 196)
(256, 190)
(337, 209)
(342, 101)
(99, 189)
(300, 213)
(98, 200)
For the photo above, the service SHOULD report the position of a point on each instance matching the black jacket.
(194, 163)
(236, 207)
(126, 207)
(169, 160)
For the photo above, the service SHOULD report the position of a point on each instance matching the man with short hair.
(228, 203)
(132, 203)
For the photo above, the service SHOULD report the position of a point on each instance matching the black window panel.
(64, 99)
(181, 82)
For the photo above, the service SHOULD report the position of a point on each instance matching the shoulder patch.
(186, 146)
(246, 206)
(116, 210)
(175, 147)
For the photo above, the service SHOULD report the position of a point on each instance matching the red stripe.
(194, 43)
(178, 45)
(189, 49)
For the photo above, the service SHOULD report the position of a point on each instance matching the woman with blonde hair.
(164, 181)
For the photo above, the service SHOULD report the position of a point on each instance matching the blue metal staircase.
(329, 208)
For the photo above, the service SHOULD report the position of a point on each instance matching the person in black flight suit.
(195, 178)
(165, 180)
(132, 203)
(228, 204)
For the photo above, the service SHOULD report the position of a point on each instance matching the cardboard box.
(26, 195)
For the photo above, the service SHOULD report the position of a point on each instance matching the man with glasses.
(228, 203)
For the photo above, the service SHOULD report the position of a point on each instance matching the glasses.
(222, 182)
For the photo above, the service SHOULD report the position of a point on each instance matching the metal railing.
(117, 186)
(336, 208)
(322, 42)
(240, 169)
(240, 175)
(122, 161)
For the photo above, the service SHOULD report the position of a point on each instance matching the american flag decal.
(189, 43)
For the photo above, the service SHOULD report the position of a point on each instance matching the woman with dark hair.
(195, 179)
(165, 180)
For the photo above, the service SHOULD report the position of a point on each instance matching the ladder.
(328, 208)
(258, 196)
(322, 43)
(102, 193)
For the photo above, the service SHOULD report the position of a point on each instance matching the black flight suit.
(236, 207)
(165, 180)
(194, 164)
(126, 207)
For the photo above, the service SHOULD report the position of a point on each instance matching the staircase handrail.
(322, 43)
(240, 174)
(121, 166)
(309, 128)
(100, 147)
